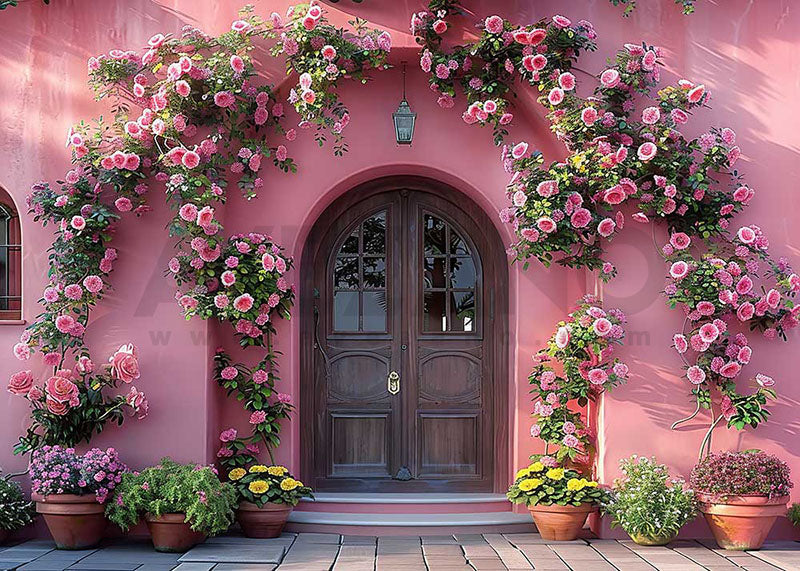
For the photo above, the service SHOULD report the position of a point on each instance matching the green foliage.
(261, 485)
(630, 6)
(539, 485)
(9, 3)
(647, 502)
(170, 487)
(794, 514)
(15, 511)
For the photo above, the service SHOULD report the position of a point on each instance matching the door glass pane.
(434, 273)
(374, 273)
(345, 311)
(360, 269)
(449, 279)
(435, 311)
(462, 272)
(350, 245)
(435, 235)
(375, 234)
(346, 272)
(374, 311)
(462, 311)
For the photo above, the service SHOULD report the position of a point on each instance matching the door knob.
(393, 383)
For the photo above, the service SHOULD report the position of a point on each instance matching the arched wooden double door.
(404, 320)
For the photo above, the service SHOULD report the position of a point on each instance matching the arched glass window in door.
(450, 279)
(359, 279)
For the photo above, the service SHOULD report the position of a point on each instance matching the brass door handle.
(393, 383)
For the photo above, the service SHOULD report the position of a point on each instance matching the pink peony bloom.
(679, 269)
(598, 376)
(228, 435)
(78, 223)
(746, 235)
(519, 150)
(188, 212)
(243, 303)
(679, 341)
(229, 373)
(602, 326)
(228, 278)
(609, 78)
(561, 21)
(696, 94)
(696, 375)
(205, 216)
(258, 417)
(190, 159)
(646, 151)
(494, 24)
(555, 96)
(182, 88)
(547, 188)
(237, 64)
(730, 370)
(606, 227)
(566, 81)
(546, 224)
(580, 218)
(224, 99)
(745, 311)
(589, 116)
(651, 115)
(680, 240)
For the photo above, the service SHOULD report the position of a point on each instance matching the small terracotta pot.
(171, 533)
(75, 522)
(560, 523)
(262, 522)
(741, 522)
(652, 541)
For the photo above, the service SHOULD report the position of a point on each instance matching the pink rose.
(679, 341)
(589, 116)
(124, 364)
(709, 332)
(746, 235)
(606, 227)
(57, 408)
(562, 337)
(602, 326)
(61, 389)
(730, 370)
(679, 269)
(580, 218)
(20, 383)
(494, 24)
(680, 240)
(546, 224)
(696, 94)
(228, 435)
(258, 417)
(609, 78)
(547, 188)
(519, 150)
(646, 151)
(764, 380)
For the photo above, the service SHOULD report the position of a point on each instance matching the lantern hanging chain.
(404, 80)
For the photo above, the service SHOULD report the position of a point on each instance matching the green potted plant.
(15, 511)
(741, 495)
(70, 489)
(649, 505)
(181, 503)
(794, 514)
(267, 495)
(559, 499)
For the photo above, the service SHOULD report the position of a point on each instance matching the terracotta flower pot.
(171, 533)
(262, 522)
(560, 523)
(75, 522)
(652, 541)
(741, 522)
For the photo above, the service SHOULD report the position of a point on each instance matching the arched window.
(10, 259)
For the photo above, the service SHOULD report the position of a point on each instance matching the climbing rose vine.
(576, 366)
(190, 113)
(626, 149)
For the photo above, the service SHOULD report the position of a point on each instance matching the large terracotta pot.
(741, 522)
(75, 522)
(262, 522)
(171, 533)
(651, 541)
(560, 523)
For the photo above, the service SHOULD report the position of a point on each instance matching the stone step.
(405, 503)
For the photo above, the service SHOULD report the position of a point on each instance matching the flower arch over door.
(404, 333)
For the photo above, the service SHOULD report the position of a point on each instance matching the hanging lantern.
(404, 118)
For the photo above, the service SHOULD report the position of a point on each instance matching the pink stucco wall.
(743, 51)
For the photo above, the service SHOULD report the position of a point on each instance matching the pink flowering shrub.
(320, 54)
(70, 405)
(742, 473)
(626, 148)
(57, 470)
(576, 366)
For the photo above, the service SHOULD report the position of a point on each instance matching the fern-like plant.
(170, 487)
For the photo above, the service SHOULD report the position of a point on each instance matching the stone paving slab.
(332, 552)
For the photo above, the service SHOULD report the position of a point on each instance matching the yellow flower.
(530, 484)
(276, 470)
(522, 473)
(536, 467)
(258, 486)
(236, 474)
(289, 484)
(555, 473)
(257, 469)
(592, 484)
(574, 484)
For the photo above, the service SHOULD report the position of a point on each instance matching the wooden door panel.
(449, 376)
(359, 377)
(360, 443)
(449, 444)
